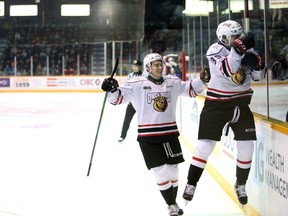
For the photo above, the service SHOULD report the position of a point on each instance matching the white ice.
(46, 141)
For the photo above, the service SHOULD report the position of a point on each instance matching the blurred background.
(83, 37)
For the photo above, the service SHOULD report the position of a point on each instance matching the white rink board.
(53, 83)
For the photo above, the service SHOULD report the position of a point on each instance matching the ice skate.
(241, 194)
(121, 139)
(173, 210)
(188, 193)
(180, 211)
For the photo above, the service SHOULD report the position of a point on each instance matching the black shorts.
(157, 154)
(213, 119)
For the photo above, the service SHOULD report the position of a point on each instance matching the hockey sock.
(175, 190)
(242, 175)
(194, 174)
(168, 196)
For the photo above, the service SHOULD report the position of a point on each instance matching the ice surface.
(45, 149)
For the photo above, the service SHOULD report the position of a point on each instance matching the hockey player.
(154, 98)
(280, 66)
(130, 111)
(232, 63)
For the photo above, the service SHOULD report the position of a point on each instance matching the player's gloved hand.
(205, 75)
(242, 44)
(109, 85)
(252, 64)
(253, 60)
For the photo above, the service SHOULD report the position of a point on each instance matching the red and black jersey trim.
(119, 99)
(224, 98)
(223, 95)
(224, 69)
(157, 131)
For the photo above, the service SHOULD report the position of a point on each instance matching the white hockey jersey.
(155, 105)
(223, 64)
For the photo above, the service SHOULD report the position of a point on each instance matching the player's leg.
(130, 111)
(203, 150)
(212, 121)
(245, 150)
(245, 134)
(157, 157)
(166, 186)
(174, 174)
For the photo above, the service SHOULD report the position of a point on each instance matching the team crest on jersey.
(159, 100)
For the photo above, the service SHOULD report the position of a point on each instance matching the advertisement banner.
(4, 82)
(55, 83)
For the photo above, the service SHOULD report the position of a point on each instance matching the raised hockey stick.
(100, 119)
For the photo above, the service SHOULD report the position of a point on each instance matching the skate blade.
(241, 205)
(186, 202)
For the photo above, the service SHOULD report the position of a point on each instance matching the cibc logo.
(4, 82)
(90, 81)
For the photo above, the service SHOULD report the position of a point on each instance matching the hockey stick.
(100, 119)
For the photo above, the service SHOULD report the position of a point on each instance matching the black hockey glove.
(109, 85)
(242, 44)
(252, 64)
(253, 60)
(205, 75)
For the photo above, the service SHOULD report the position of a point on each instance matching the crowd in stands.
(30, 48)
(41, 46)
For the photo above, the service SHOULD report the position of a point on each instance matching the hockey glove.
(205, 75)
(253, 60)
(109, 85)
(242, 44)
(252, 64)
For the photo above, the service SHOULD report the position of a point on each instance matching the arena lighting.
(274, 4)
(2, 8)
(198, 8)
(238, 6)
(75, 10)
(24, 10)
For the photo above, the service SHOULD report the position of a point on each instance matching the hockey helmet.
(151, 58)
(227, 29)
(137, 62)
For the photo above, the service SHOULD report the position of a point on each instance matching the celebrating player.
(233, 63)
(154, 98)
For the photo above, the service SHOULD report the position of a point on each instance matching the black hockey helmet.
(137, 62)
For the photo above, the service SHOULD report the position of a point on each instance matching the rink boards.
(268, 183)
